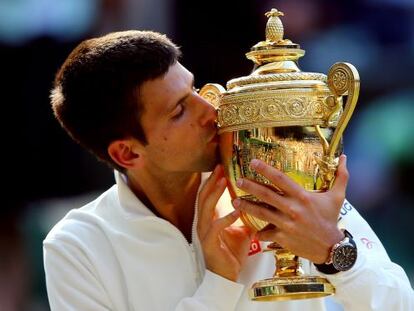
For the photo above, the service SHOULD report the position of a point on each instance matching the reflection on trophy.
(292, 120)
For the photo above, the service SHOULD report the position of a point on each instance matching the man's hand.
(225, 248)
(303, 222)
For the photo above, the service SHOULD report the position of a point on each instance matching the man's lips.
(214, 138)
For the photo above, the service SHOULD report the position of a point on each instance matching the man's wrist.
(340, 236)
(342, 256)
(334, 238)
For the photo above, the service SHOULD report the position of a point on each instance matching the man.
(155, 240)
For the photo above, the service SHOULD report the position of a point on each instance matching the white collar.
(130, 203)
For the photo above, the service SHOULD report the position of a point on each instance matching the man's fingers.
(265, 194)
(210, 182)
(238, 240)
(207, 206)
(278, 178)
(273, 216)
(225, 221)
(274, 235)
(210, 190)
(341, 179)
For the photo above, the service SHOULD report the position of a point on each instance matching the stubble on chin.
(211, 162)
(216, 159)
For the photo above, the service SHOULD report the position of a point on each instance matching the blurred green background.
(46, 174)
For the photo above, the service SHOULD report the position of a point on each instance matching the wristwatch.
(342, 257)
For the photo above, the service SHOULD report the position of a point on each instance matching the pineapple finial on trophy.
(274, 26)
(275, 48)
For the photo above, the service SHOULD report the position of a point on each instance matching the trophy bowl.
(293, 121)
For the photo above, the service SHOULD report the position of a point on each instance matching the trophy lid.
(275, 57)
(277, 92)
(274, 48)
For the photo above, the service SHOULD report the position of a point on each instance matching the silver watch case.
(345, 255)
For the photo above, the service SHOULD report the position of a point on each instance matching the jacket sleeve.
(70, 281)
(214, 293)
(375, 282)
(72, 284)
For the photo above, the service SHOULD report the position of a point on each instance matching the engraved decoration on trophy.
(292, 120)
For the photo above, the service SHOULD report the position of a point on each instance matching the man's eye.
(179, 113)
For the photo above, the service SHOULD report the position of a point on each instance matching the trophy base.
(291, 288)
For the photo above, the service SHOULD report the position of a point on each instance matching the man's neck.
(171, 197)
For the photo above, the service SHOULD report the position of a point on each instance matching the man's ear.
(125, 153)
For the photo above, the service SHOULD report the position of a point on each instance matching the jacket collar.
(130, 203)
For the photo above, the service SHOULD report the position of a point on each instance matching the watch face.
(344, 257)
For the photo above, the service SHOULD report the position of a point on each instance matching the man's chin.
(211, 163)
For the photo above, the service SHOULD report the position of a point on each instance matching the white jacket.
(115, 254)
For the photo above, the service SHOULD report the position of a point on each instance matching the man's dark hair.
(96, 91)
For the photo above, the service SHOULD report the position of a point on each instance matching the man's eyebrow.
(183, 98)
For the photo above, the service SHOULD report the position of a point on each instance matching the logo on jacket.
(254, 247)
(369, 244)
(345, 209)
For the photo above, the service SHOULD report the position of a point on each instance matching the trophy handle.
(343, 79)
(212, 92)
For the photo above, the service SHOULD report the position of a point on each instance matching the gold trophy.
(292, 120)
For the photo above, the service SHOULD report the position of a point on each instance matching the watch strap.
(327, 269)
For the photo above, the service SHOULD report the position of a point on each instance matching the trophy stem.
(289, 281)
(287, 264)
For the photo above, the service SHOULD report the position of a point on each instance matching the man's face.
(179, 124)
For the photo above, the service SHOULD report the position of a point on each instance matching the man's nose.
(208, 114)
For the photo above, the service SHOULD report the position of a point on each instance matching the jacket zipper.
(195, 242)
(194, 247)
(191, 252)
